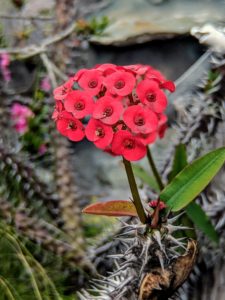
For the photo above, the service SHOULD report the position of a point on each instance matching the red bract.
(154, 204)
(139, 69)
(149, 93)
(162, 125)
(163, 83)
(91, 81)
(59, 108)
(107, 69)
(70, 127)
(140, 120)
(120, 83)
(99, 133)
(127, 145)
(148, 139)
(125, 104)
(61, 92)
(79, 103)
(108, 110)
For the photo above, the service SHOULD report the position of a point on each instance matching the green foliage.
(214, 77)
(93, 27)
(192, 180)
(201, 220)
(22, 276)
(194, 213)
(38, 132)
(3, 42)
(141, 173)
(179, 162)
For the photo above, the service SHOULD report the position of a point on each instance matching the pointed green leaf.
(202, 221)
(192, 180)
(179, 161)
(145, 177)
(114, 208)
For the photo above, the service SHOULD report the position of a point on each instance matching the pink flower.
(127, 145)
(20, 115)
(45, 84)
(99, 133)
(120, 83)
(140, 120)
(4, 66)
(42, 149)
(79, 103)
(150, 95)
(20, 111)
(108, 110)
(21, 126)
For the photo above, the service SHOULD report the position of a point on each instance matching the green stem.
(134, 191)
(154, 169)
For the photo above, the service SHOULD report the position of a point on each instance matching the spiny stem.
(154, 169)
(134, 191)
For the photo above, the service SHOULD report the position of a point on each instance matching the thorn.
(175, 218)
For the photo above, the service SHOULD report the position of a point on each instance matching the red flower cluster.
(125, 105)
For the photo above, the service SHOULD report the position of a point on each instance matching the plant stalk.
(134, 191)
(154, 169)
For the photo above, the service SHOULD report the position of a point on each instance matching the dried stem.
(134, 191)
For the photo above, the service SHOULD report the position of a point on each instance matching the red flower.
(91, 81)
(126, 105)
(79, 103)
(120, 83)
(127, 145)
(140, 120)
(149, 93)
(99, 133)
(61, 92)
(68, 126)
(147, 139)
(108, 110)
(163, 83)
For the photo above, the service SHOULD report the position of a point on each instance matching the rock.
(37, 7)
(138, 21)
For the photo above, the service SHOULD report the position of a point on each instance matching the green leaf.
(192, 180)
(202, 221)
(145, 177)
(179, 161)
(114, 208)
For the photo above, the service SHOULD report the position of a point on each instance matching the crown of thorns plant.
(125, 106)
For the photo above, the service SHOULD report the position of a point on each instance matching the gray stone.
(138, 21)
